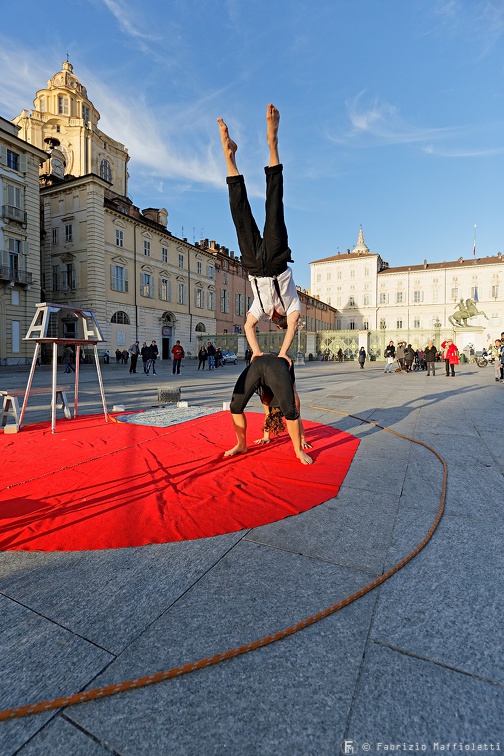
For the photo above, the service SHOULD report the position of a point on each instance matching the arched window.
(200, 328)
(105, 171)
(120, 317)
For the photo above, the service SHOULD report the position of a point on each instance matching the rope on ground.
(141, 682)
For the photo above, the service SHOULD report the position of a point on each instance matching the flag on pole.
(474, 242)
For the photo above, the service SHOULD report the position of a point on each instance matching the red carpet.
(97, 485)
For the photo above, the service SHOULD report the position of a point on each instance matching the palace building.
(412, 301)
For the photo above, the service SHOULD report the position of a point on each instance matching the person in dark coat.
(430, 358)
(153, 355)
(409, 358)
(202, 357)
(362, 357)
(144, 351)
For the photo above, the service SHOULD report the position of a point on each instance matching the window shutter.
(112, 277)
(23, 163)
(125, 279)
(3, 154)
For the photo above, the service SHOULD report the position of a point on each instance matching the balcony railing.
(8, 273)
(9, 212)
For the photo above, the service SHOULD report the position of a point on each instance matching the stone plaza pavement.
(417, 664)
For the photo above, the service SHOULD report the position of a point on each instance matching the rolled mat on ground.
(97, 485)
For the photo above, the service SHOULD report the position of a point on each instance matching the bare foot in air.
(236, 450)
(272, 124)
(304, 458)
(229, 148)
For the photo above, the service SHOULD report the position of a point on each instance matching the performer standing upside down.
(272, 375)
(266, 257)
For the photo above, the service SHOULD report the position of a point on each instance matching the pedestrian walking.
(153, 355)
(362, 357)
(68, 359)
(178, 354)
(202, 357)
(144, 351)
(389, 358)
(211, 356)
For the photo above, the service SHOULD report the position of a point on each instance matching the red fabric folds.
(97, 485)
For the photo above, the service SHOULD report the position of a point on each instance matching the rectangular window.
(199, 268)
(365, 325)
(211, 300)
(352, 325)
(85, 113)
(417, 296)
(434, 295)
(68, 233)
(165, 289)
(352, 274)
(366, 300)
(55, 236)
(12, 160)
(239, 304)
(67, 277)
(181, 261)
(55, 277)
(164, 254)
(224, 300)
(118, 278)
(338, 275)
(181, 294)
(454, 293)
(199, 298)
(16, 336)
(383, 324)
(328, 275)
(146, 247)
(62, 105)
(224, 277)
(210, 271)
(14, 196)
(495, 291)
(399, 297)
(338, 324)
(319, 277)
(399, 324)
(366, 271)
(416, 323)
(383, 297)
(147, 285)
(249, 303)
(119, 237)
(351, 301)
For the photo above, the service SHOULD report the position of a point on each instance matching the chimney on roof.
(425, 263)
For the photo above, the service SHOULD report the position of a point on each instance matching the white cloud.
(129, 21)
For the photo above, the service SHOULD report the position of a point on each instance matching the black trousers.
(269, 254)
(269, 372)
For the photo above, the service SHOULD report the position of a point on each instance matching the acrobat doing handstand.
(273, 377)
(265, 257)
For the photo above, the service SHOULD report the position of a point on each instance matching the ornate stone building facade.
(102, 252)
(19, 242)
(411, 300)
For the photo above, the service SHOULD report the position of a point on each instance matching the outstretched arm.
(292, 321)
(250, 333)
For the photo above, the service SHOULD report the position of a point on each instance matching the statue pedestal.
(476, 336)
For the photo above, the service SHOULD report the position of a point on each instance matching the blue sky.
(392, 112)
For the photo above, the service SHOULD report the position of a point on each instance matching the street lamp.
(300, 355)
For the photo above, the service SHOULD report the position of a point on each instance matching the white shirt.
(268, 295)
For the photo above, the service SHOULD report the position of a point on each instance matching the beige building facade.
(19, 242)
(99, 250)
(414, 299)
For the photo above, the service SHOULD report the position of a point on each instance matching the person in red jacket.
(450, 356)
(178, 353)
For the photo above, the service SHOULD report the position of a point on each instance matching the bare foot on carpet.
(238, 449)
